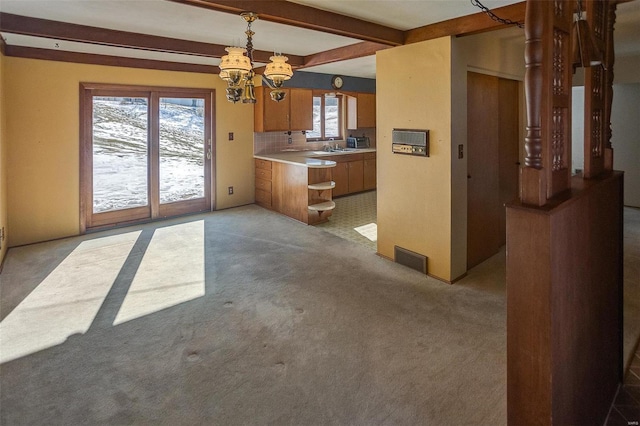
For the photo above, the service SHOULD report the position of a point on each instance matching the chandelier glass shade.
(236, 68)
(235, 65)
(278, 70)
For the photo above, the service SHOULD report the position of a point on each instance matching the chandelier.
(236, 68)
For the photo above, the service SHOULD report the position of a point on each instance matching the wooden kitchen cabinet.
(263, 183)
(366, 110)
(356, 174)
(340, 175)
(301, 104)
(361, 111)
(299, 192)
(294, 112)
(353, 173)
(263, 193)
(369, 172)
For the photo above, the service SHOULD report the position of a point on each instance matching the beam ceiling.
(288, 13)
(374, 36)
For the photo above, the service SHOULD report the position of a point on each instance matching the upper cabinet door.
(352, 113)
(294, 112)
(301, 107)
(366, 110)
(276, 114)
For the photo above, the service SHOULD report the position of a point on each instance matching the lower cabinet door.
(369, 174)
(356, 174)
(263, 198)
(340, 175)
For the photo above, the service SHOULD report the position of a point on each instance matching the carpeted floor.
(246, 317)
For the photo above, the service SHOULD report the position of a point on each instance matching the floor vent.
(411, 259)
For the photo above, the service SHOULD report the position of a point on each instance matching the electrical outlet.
(460, 151)
(230, 136)
(231, 190)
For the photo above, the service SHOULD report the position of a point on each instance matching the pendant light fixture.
(236, 68)
(585, 49)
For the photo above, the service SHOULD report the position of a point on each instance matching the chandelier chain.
(495, 17)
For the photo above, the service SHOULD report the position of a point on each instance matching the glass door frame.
(153, 210)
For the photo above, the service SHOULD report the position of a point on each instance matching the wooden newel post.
(548, 98)
(533, 185)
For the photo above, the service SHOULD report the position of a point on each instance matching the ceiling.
(325, 36)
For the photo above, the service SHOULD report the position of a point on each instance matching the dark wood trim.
(153, 147)
(37, 27)
(85, 158)
(353, 51)
(3, 45)
(113, 61)
(297, 15)
(465, 25)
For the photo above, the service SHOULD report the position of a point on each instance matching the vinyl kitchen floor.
(353, 211)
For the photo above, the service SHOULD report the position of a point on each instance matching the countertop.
(309, 158)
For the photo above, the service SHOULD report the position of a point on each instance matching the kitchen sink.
(333, 151)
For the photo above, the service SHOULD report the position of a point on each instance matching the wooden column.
(564, 240)
(609, 58)
(594, 93)
(548, 93)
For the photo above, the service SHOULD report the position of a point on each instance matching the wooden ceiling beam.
(465, 25)
(353, 51)
(37, 27)
(298, 15)
(115, 61)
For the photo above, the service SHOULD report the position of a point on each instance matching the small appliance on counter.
(358, 142)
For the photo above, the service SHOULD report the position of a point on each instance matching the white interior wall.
(577, 129)
(625, 138)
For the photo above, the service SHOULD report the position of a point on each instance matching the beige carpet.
(246, 317)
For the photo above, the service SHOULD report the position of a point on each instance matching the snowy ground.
(120, 153)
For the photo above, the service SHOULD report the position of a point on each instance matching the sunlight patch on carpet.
(369, 231)
(68, 299)
(171, 272)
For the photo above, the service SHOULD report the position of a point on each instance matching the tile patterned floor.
(350, 212)
(625, 410)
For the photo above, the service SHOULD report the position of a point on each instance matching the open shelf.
(321, 186)
(322, 207)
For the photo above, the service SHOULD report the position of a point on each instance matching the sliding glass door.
(145, 154)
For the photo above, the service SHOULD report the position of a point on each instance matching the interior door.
(508, 147)
(492, 161)
(483, 239)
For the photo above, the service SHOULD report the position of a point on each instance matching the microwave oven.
(359, 142)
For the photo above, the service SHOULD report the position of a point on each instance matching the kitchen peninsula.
(300, 184)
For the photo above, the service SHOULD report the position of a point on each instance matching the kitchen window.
(327, 118)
